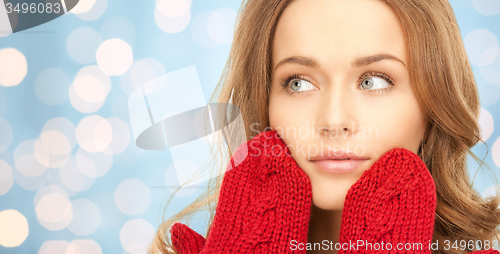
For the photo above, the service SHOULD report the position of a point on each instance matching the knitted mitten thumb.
(264, 204)
(391, 208)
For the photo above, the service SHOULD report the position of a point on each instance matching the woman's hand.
(264, 204)
(391, 208)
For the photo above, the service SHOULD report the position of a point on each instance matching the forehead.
(337, 31)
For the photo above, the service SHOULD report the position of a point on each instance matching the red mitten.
(391, 207)
(264, 203)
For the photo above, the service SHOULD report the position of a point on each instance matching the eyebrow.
(358, 62)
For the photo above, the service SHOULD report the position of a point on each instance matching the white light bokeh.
(27, 161)
(86, 217)
(51, 86)
(487, 7)
(89, 90)
(54, 247)
(114, 57)
(132, 196)
(121, 135)
(84, 246)
(6, 177)
(118, 27)
(486, 124)
(63, 126)
(141, 72)
(482, 47)
(13, 67)
(199, 30)
(94, 133)
(491, 191)
(82, 44)
(135, 236)
(495, 152)
(6, 137)
(73, 178)
(172, 16)
(83, 6)
(14, 229)
(53, 207)
(220, 25)
(94, 164)
(90, 9)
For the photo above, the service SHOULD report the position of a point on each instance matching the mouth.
(343, 166)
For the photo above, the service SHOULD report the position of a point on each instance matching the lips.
(340, 161)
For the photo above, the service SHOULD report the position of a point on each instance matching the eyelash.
(286, 81)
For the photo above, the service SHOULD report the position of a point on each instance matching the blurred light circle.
(3, 103)
(82, 44)
(118, 27)
(495, 152)
(487, 7)
(14, 229)
(48, 159)
(491, 191)
(6, 137)
(114, 57)
(82, 98)
(51, 86)
(86, 217)
(189, 2)
(27, 162)
(13, 67)
(94, 164)
(73, 178)
(132, 196)
(199, 31)
(6, 177)
(136, 235)
(90, 10)
(172, 16)
(143, 71)
(83, 6)
(482, 47)
(54, 247)
(220, 25)
(64, 126)
(56, 142)
(486, 124)
(90, 89)
(94, 134)
(86, 246)
(54, 211)
(121, 135)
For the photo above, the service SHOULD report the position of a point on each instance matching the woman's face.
(346, 67)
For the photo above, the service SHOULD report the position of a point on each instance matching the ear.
(186, 240)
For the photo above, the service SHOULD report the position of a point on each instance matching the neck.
(324, 225)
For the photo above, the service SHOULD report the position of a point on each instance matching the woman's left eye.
(375, 81)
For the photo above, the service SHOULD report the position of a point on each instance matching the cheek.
(399, 126)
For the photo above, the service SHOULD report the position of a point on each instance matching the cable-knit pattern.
(265, 202)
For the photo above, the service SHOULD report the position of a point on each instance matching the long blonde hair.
(441, 78)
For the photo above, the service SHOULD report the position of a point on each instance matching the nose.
(337, 116)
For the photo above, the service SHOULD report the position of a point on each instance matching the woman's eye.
(374, 83)
(299, 85)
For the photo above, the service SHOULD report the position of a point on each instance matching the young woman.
(360, 77)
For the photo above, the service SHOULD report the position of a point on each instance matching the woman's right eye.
(301, 85)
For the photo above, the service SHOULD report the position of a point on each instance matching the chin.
(327, 202)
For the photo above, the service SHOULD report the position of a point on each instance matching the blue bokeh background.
(117, 210)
